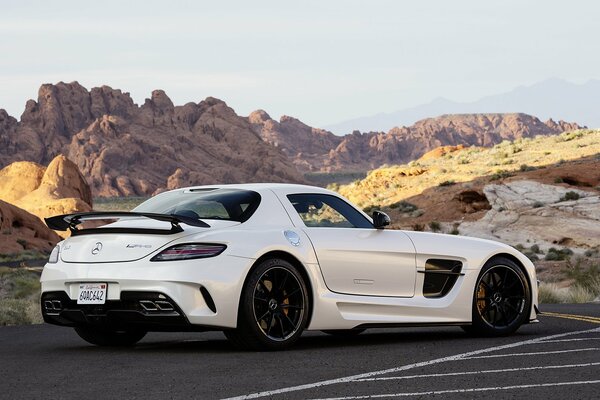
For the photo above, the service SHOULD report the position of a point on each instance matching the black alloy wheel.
(278, 303)
(273, 308)
(502, 299)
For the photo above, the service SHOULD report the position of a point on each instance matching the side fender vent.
(440, 276)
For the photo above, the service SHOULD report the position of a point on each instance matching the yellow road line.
(585, 318)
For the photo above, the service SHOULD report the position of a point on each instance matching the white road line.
(489, 371)
(406, 367)
(536, 353)
(570, 340)
(470, 390)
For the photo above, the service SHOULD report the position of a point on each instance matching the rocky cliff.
(45, 191)
(125, 149)
(319, 150)
(20, 230)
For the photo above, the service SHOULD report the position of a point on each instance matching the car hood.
(123, 247)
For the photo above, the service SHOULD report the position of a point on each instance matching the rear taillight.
(53, 259)
(189, 251)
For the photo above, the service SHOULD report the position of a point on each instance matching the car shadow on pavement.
(216, 343)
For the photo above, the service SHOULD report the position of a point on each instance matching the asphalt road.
(556, 359)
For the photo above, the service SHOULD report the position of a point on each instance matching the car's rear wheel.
(274, 307)
(109, 337)
(502, 299)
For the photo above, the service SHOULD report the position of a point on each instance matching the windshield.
(227, 204)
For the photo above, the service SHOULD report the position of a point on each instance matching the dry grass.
(19, 296)
(392, 184)
(552, 293)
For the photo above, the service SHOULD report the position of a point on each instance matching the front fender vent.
(440, 277)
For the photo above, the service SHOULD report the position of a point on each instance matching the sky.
(320, 61)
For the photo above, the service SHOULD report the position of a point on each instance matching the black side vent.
(440, 276)
(208, 299)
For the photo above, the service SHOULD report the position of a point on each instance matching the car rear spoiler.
(70, 222)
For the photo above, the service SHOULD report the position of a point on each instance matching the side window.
(323, 210)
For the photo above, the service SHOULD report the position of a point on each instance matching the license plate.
(92, 293)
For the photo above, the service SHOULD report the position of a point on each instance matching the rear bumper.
(204, 293)
(149, 311)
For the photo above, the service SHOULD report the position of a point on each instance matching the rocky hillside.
(124, 149)
(45, 191)
(543, 191)
(20, 231)
(314, 149)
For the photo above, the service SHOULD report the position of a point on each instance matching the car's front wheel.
(110, 337)
(502, 299)
(273, 309)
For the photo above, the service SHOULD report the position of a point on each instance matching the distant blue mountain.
(552, 98)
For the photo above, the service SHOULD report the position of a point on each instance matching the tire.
(501, 300)
(107, 337)
(274, 308)
(344, 333)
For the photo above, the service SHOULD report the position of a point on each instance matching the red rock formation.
(363, 151)
(123, 149)
(20, 230)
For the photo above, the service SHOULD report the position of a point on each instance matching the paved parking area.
(556, 359)
(563, 365)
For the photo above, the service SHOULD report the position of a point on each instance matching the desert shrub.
(454, 230)
(23, 256)
(550, 293)
(568, 136)
(579, 294)
(558, 254)
(558, 179)
(417, 213)
(14, 312)
(447, 183)
(501, 174)
(535, 249)
(519, 247)
(418, 227)
(570, 196)
(403, 206)
(19, 297)
(435, 226)
(585, 277)
(525, 168)
(592, 253)
(464, 161)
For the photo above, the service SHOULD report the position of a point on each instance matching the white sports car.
(264, 262)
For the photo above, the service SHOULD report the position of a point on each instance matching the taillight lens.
(53, 259)
(189, 251)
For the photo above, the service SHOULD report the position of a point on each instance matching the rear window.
(226, 204)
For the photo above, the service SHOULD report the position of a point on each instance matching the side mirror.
(380, 219)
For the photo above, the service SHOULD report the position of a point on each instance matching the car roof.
(285, 187)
